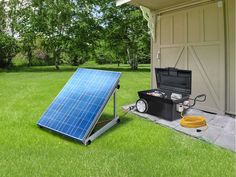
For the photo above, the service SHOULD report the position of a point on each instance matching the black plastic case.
(169, 80)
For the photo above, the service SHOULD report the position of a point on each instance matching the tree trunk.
(118, 60)
(128, 54)
(9, 62)
(29, 55)
(134, 63)
(57, 63)
(56, 56)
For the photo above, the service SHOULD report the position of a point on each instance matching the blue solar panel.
(80, 103)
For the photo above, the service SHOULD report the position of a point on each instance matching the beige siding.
(230, 49)
(230, 44)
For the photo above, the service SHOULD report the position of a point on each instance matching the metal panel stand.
(106, 127)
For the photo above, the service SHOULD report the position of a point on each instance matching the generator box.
(170, 97)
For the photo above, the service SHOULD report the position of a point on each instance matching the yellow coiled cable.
(193, 121)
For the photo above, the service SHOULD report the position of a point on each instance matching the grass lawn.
(135, 147)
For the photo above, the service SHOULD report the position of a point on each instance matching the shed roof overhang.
(155, 4)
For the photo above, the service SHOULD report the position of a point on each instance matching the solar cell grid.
(77, 107)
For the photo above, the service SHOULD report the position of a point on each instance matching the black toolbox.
(162, 102)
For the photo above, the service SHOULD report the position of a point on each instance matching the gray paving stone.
(226, 141)
(230, 126)
(139, 114)
(209, 117)
(193, 112)
(221, 129)
(154, 118)
(189, 131)
(211, 134)
(171, 124)
(219, 121)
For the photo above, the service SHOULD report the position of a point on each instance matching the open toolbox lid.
(174, 80)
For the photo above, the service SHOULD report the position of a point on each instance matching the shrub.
(20, 60)
(101, 59)
(41, 58)
(76, 61)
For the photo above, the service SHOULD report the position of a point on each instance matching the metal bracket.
(106, 127)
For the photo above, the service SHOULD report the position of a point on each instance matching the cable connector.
(131, 108)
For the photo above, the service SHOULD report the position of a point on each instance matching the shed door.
(194, 39)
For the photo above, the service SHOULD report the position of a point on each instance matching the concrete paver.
(220, 130)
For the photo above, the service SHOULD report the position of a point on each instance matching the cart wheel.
(142, 105)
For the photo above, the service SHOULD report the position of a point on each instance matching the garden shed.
(198, 35)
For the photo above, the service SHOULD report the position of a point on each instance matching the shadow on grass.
(123, 121)
(61, 136)
(71, 69)
(39, 69)
(121, 69)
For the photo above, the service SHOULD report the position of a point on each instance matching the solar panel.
(78, 106)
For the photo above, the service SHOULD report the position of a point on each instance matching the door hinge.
(158, 55)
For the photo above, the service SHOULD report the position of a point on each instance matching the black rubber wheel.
(118, 121)
(141, 105)
(40, 126)
(88, 142)
(118, 86)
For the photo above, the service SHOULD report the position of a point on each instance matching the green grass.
(136, 147)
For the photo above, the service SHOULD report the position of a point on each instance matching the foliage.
(27, 30)
(103, 54)
(13, 7)
(83, 33)
(77, 31)
(8, 49)
(41, 58)
(126, 33)
(2, 15)
(54, 29)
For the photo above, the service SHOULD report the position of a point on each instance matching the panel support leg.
(106, 127)
(114, 103)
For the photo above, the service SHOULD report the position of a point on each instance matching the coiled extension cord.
(194, 121)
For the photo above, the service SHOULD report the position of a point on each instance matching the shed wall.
(230, 7)
(230, 55)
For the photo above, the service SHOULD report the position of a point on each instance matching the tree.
(12, 15)
(3, 16)
(27, 30)
(8, 10)
(83, 33)
(82, 30)
(126, 32)
(54, 28)
(8, 49)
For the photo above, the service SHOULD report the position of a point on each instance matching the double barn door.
(194, 39)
